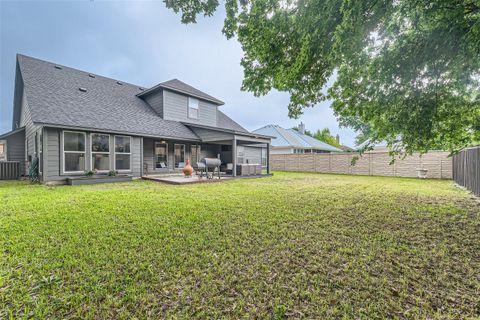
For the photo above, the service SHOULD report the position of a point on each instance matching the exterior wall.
(53, 155)
(32, 132)
(155, 100)
(175, 107)
(438, 163)
(15, 145)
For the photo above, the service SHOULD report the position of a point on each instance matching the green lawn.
(292, 245)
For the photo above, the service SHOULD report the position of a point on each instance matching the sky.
(143, 43)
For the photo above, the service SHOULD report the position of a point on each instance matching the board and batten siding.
(53, 155)
(175, 107)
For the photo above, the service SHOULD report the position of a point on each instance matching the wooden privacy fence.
(466, 169)
(438, 164)
(9, 170)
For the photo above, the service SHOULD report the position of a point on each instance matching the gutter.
(49, 125)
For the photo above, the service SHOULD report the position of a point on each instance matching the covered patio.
(240, 154)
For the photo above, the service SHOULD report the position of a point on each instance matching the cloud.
(143, 43)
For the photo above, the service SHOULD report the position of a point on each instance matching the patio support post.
(234, 156)
(268, 158)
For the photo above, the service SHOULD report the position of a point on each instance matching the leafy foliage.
(409, 70)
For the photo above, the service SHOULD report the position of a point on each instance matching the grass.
(288, 246)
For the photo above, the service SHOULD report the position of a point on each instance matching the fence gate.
(9, 170)
(466, 169)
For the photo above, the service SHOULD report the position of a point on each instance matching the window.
(122, 153)
(264, 157)
(194, 154)
(193, 108)
(226, 147)
(179, 155)
(3, 149)
(100, 151)
(240, 154)
(40, 153)
(161, 153)
(73, 152)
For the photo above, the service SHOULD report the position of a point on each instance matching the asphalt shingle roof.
(293, 138)
(182, 87)
(54, 97)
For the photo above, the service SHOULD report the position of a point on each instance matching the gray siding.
(30, 132)
(155, 100)
(16, 149)
(175, 107)
(54, 157)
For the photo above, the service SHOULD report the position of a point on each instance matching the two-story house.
(75, 121)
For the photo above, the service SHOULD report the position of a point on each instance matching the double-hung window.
(74, 152)
(122, 153)
(193, 108)
(100, 151)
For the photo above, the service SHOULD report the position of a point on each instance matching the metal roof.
(294, 139)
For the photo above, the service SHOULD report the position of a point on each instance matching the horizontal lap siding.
(438, 164)
(16, 149)
(175, 107)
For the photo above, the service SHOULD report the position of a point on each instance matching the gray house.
(74, 121)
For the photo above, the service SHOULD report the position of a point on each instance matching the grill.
(209, 164)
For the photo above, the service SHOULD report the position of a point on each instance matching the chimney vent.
(301, 128)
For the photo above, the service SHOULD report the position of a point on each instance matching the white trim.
(96, 152)
(4, 143)
(189, 107)
(184, 149)
(77, 152)
(115, 153)
(155, 154)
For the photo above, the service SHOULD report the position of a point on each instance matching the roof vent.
(58, 67)
(91, 75)
(141, 88)
(118, 82)
(82, 89)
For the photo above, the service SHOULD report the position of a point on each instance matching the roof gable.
(181, 87)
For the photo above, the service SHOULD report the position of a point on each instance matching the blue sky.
(143, 43)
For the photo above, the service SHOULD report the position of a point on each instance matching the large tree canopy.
(407, 70)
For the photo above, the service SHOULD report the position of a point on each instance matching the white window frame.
(190, 107)
(115, 153)
(96, 152)
(155, 152)
(84, 152)
(4, 143)
(184, 149)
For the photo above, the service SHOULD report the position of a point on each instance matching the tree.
(407, 69)
(325, 136)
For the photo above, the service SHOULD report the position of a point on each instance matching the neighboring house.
(288, 141)
(75, 121)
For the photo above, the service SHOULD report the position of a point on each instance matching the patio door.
(161, 155)
(194, 153)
